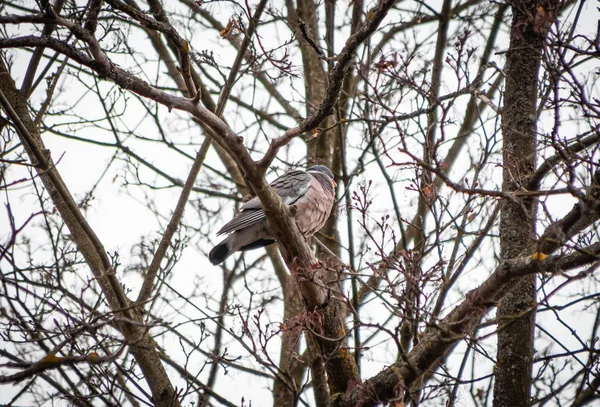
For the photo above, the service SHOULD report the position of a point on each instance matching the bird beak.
(334, 184)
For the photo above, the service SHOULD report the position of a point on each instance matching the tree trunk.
(516, 311)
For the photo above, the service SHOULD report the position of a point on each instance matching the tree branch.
(438, 339)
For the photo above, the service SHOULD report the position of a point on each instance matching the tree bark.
(516, 310)
(287, 385)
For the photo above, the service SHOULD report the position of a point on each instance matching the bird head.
(323, 170)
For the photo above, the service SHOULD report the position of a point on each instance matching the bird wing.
(290, 187)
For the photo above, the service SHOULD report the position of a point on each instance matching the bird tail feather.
(220, 252)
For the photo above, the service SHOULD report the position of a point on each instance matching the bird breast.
(314, 207)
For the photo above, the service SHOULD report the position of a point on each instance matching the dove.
(312, 192)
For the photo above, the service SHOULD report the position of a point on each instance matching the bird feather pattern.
(290, 187)
(313, 194)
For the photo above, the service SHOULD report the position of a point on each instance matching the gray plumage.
(313, 194)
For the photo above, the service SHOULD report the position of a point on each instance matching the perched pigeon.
(313, 194)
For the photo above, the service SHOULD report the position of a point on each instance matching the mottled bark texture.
(322, 146)
(286, 388)
(516, 310)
